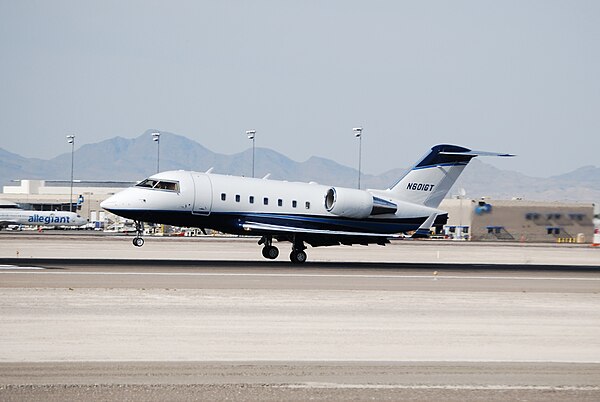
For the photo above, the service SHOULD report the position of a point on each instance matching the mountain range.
(134, 159)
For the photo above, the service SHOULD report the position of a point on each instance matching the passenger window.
(223, 196)
(280, 202)
(307, 205)
(266, 201)
(251, 199)
(237, 198)
(294, 203)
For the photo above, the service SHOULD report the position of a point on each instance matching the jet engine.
(357, 204)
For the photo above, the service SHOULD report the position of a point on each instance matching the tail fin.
(429, 181)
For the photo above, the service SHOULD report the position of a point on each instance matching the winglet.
(425, 229)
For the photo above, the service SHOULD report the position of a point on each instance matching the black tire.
(273, 252)
(138, 242)
(298, 256)
(270, 252)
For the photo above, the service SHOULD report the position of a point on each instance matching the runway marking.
(371, 276)
(12, 267)
(445, 387)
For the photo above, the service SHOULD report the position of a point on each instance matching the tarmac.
(94, 318)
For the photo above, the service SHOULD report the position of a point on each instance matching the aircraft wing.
(296, 229)
(424, 230)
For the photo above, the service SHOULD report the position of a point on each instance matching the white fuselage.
(298, 212)
(227, 202)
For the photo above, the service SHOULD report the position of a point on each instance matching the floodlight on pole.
(71, 140)
(358, 134)
(251, 136)
(156, 138)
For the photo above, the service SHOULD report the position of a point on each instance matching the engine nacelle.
(348, 202)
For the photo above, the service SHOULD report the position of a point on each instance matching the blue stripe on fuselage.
(231, 222)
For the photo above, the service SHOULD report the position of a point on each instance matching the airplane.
(15, 216)
(297, 212)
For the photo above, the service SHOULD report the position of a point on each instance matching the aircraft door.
(202, 194)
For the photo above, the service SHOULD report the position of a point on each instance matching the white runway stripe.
(445, 387)
(15, 267)
(217, 274)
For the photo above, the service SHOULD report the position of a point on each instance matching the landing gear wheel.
(298, 256)
(139, 231)
(270, 252)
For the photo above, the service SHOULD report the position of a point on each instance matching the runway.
(180, 329)
(316, 276)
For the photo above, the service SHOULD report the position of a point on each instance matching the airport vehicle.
(297, 212)
(14, 216)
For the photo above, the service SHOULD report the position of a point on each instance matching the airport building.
(468, 219)
(518, 220)
(54, 195)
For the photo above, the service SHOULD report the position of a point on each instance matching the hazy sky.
(512, 76)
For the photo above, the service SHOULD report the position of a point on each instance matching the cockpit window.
(160, 185)
(149, 183)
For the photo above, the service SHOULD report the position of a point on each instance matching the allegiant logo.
(48, 219)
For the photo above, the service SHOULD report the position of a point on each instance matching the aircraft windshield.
(159, 185)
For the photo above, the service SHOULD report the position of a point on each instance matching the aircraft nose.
(125, 200)
(110, 203)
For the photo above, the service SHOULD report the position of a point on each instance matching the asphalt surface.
(169, 274)
(79, 326)
(329, 381)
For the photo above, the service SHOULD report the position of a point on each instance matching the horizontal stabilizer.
(476, 153)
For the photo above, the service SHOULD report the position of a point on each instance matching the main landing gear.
(139, 231)
(297, 256)
(269, 251)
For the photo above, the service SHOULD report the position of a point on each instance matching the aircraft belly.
(233, 222)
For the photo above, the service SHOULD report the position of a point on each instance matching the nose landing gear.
(139, 231)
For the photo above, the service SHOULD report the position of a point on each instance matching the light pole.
(462, 192)
(156, 138)
(251, 134)
(358, 134)
(71, 140)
